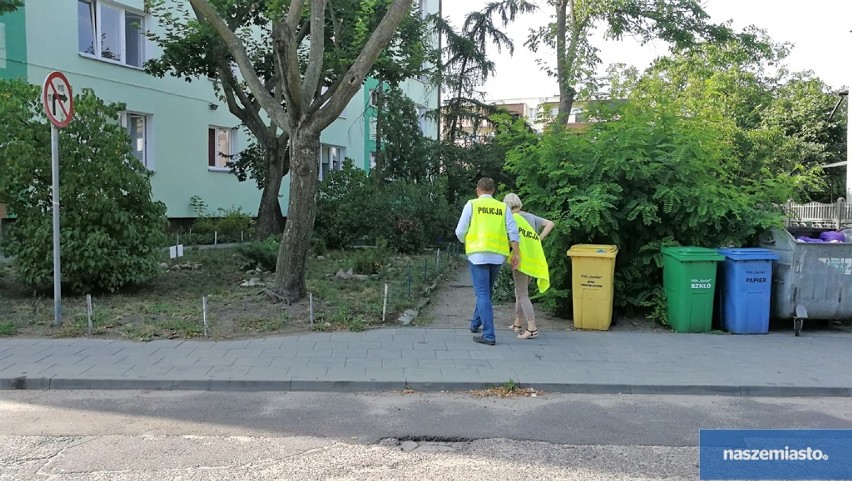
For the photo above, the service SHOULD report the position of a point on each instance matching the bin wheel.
(797, 326)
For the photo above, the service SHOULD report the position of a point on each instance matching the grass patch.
(265, 325)
(7, 329)
(170, 307)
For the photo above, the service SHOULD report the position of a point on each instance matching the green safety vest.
(533, 262)
(487, 231)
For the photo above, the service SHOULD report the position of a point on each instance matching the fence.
(827, 216)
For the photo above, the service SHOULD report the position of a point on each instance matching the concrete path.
(429, 359)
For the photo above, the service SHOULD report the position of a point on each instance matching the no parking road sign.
(57, 99)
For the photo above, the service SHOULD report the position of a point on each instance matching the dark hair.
(486, 184)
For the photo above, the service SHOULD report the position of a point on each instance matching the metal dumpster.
(809, 281)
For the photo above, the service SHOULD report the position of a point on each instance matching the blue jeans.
(484, 276)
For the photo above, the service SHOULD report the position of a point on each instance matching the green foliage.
(318, 247)
(263, 254)
(404, 154)
(10, 5)
(370, 261)
(466, 65)
(230, 225)
(111, 229)
(411, 216)
(510, 386)
(504, 286)
(8, 329)
(642, 179)
(343, 320)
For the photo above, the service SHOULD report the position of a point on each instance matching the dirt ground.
(453, 304)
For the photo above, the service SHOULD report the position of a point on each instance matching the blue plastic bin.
(746, 289)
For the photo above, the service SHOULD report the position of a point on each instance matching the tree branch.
(354, 77)
(287, 54)
(205, 11)
(248, 113)
(315, 61)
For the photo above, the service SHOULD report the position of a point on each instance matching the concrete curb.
(302, 385)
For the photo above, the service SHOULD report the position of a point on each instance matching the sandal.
(516, 328)
(527, 334)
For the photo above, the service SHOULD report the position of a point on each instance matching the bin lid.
(692, 254)
(593, 250)
(749, 254)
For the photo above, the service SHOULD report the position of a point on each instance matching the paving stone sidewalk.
(429, 359)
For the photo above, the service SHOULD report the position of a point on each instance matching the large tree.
(306, 50)
(679, 22)
(466, 65)
(192, 49)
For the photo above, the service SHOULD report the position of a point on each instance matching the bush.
(263, 254)
(351, 209)
(111, 229)
(643, 180)
(371, 260)
(226, 225)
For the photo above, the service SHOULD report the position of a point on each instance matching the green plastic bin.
(689, 278)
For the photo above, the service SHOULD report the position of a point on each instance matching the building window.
(331, 159)
(139, 129)
(2, 45)
(374, 127)
(220, 148)
(422, 119)
(420, 7)
(108, 32)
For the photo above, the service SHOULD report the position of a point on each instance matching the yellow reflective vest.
(533, 262)
(487, 231)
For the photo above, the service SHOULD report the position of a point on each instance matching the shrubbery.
(111, 229)
(653, 177)
(223, 226)
(263, 254)
(352, 209)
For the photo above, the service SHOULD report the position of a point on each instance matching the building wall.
(13, 44)
(179, 113)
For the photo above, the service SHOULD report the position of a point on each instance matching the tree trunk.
(270, 220)
(293, 253)
(566, 103)
(378, 173)
(566, 56)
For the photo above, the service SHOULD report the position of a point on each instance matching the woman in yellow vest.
(533, 264)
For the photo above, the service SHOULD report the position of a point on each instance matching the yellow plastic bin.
(593, 285)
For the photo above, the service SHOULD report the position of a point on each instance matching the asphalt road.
(59, 435)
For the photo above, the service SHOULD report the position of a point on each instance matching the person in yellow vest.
(487, 229)
(533, 230)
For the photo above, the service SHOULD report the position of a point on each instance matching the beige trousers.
(523, 305)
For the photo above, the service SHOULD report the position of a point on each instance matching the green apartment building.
(176, 128)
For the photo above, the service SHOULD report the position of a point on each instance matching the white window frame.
(147, 135)
(3, 52)
(422, 118)
(232, 140)
(122, 25)
(421, 7)
(333, 166)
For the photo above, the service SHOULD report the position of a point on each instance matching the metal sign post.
(58, 104)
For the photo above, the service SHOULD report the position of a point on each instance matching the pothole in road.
(431, 444)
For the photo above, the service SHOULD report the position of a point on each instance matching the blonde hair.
(513, 201)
